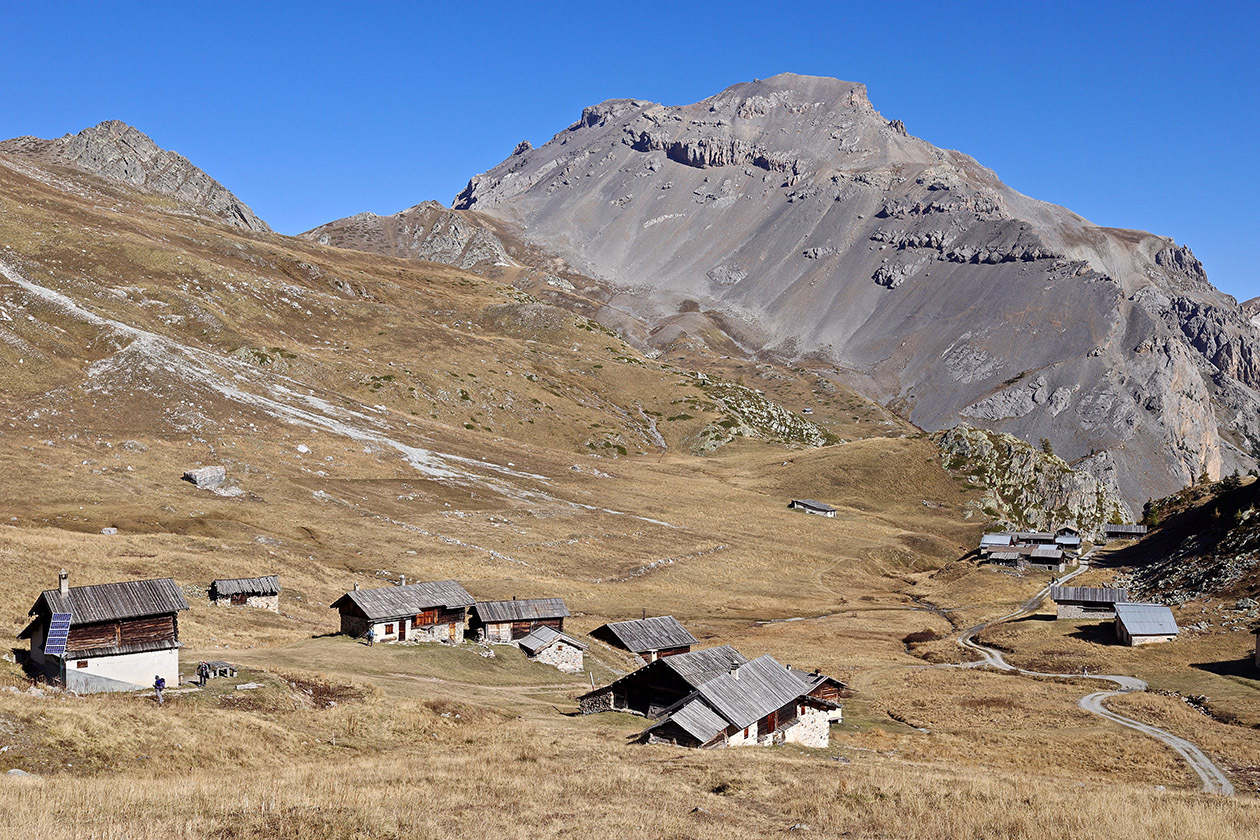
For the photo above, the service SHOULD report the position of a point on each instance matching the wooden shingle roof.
(266, 585)
(389, 602)
(640, 635)
(542, 636)
(759, 688)
(530, 609)
(1088, 594)
(113, 601)
(694, 668)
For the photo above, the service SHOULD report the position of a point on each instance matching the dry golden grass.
(707, 539)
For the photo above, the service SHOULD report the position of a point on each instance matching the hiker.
(371, 635)
(203, 674)
(158, 685)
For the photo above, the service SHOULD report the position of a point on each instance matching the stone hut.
(549, 646)
(504, 622)
(109, 636)
(813, 506)
(650, 638)
(436, 611)
(758, 703)
(1145, 624)
(260, 592)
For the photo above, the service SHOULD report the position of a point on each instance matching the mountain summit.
(119, 152)
(810, 227)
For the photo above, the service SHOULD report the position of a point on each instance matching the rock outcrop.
(816, 228)
(1028, 488)
(119, 152)
(427, 231)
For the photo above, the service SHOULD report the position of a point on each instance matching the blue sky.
(1133, 115)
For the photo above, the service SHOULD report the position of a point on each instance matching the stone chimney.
(63, 582)
(734, 672)
(356, 586)
(402, 580)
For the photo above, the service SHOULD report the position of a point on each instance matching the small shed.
(812, 506)
(108, 636)
(1144, 624)
(650, 638)
(261, 592)
(548, 645)
(1096, 602)
(504, 622)
(1124, 532)
(435, 611)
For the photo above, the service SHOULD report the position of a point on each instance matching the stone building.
(759, 703)
(1145, 624)
(109, 636)
(436, 611)
(260, 592)
(661, 683)
(813, 506)
(1090, 602)
(551, 647)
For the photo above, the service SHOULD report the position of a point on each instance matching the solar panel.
(58, 631)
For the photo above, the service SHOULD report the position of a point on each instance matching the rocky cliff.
(813, 227)
(1027, 487)
(119, 152)
(427, 231)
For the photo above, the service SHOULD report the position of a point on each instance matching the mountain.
(427, 231)
(118, 152)
(791, 216)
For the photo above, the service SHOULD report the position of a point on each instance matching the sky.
(1134, 115)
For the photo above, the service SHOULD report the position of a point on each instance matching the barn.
(435, 611)
(1096, 602)
(758, 703)
(650, 638)
(547, 645)
(1145, 624)
(1115, 531)
(813, 506)
(260, 592)
(503, 622)
(108, 636)
(661, 683)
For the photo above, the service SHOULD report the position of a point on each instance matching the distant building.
(550, 646)
(1068, 539)
(109, 636)
(812, 506)
(261, 592)
(990, 543)
(650, 638)
(661, 683)
(1144, 624)
(436, 611)
(1093, 602)
(503, 622)
(1124, 532)
(754, 703)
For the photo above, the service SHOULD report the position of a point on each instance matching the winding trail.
(1214, 780)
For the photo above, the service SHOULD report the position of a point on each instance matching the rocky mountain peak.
(120, 152)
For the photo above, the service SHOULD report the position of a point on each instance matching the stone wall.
(812, 729)
(566, 657)
(1077, 611)
(262, 602)
(600, 702)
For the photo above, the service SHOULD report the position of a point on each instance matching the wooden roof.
(813, 504)
(640, 635)
(529, 609)
(697, 720)
(266, 585)
(1088, 594)
(694, 668)
(397, 601)
(113, 601)
(1112, 530)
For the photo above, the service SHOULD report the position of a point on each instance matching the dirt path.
(1214, 780)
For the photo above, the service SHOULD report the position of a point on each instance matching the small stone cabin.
(109, 636)
(812, 506)
(1096, 602)
(436, 611)
(504, 622)
(755, 703)
(260, 592)
(649, 638)
(1145, 624)
(547, 645)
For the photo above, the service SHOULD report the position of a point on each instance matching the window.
(82, 663)
(389, 628)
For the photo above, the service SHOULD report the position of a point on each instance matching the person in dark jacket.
(158, 685)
